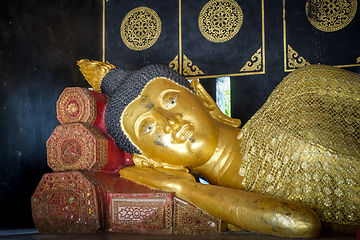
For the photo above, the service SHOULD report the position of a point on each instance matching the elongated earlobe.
(211, 105)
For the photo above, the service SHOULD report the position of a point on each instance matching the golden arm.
(250, 211)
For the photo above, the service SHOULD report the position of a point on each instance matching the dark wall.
(285, 25)
(40, 42)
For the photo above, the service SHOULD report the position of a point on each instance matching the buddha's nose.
(169, 120)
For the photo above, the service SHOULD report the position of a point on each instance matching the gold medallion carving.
(254, 64)
(220, 20)
(188, 68)
(294, 61)
(330, 15)
(140, 28)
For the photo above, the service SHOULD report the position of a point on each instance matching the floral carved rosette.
(191, 220)
(330, 15)
(77, 104)
(140, 28)
(141, 212)
(66, 203)
(77, 147)
(220, 20)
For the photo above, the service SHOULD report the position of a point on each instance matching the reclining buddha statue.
(292, 169)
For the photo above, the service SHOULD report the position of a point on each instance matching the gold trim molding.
(174, 64)
(294, 61)
(254, 64)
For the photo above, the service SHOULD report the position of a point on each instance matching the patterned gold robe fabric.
(304, 143)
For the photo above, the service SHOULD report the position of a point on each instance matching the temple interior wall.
(42, 40)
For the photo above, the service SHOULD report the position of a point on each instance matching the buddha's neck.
(223, 167)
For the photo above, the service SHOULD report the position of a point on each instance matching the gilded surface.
(95, 71)
(220, 20)
(76, 147)
(189, 219)
(174, 129)
(254, 64)
(140, 28)
(65, 203)
(189, 69)
(294, 60)
(153, 211)
(76, 105)
(174, 64)
(330, 15)
(303, 144)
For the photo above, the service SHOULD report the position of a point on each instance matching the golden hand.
(250, 211)
(157, 178)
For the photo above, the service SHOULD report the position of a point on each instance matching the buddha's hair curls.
(122, 87)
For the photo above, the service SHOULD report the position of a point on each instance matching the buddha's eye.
(146, 125)
(169, 100)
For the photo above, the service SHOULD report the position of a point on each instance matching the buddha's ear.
(143, 161)
(211, 105)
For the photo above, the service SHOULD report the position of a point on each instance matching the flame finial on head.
(94, 72)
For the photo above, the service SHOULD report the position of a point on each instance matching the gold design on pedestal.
(70, 151)
(220, 20)
(134, 210)
(76, 147)
(65, 203)
(191, 220)
(140, 28)
(76, 105)
(294, 61)
(255, 63)
(330, 15)
(188, 68)
(72, 108)
(358, 60)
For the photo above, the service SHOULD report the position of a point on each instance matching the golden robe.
(304, 143)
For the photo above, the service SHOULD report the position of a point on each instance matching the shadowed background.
(40, 42)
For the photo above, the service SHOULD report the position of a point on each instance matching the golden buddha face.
(170, 124)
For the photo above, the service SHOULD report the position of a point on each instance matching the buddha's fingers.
(136, 174)
(153, 178)
(176, 174)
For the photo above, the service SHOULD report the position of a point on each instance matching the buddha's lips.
(182, 134)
